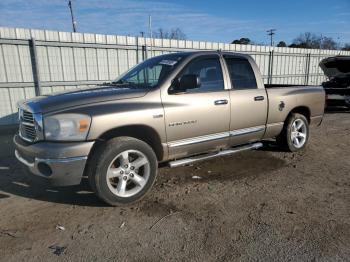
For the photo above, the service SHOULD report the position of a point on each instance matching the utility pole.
(271, 32)
(74, 23)
(150, 31)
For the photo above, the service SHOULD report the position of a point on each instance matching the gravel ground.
(264, 205)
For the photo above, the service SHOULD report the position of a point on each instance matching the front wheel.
(125, 170)
(295, 133)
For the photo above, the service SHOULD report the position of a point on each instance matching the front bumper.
(61, 164)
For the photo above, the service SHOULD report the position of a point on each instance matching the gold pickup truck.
(177, 108)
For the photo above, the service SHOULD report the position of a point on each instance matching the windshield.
(151, 72)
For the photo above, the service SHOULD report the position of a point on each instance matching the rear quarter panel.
(310, 97)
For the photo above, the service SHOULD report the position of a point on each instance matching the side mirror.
(185, 82)
(189, 82)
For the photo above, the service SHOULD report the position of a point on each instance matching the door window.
(241, 74)
(209, 72)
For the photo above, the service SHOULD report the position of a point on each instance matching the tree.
(307, 40)
(282, 44)
(328, 43)
(242, 41)
(346, 47)
(311, 40)
(173, 33)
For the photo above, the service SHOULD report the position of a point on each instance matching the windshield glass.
(151, 72)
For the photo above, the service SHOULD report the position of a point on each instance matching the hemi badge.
(158, 116)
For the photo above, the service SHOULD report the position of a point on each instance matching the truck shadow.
(271, 146)
(15, 180)
(245, 165)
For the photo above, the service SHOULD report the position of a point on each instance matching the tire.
(293, 138)
(122, 170)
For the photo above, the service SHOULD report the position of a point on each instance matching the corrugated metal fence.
(34, 62)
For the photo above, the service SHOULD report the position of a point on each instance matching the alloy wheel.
(128, 173)
(298, 133)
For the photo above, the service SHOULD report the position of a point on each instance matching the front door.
(197, 120)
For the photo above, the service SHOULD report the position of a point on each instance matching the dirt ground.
(264, 205)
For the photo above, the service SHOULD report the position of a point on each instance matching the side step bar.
(227, 152)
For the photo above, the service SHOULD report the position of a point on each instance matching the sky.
(218, 21)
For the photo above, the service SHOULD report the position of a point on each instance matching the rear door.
(197, 120)
(248, 102)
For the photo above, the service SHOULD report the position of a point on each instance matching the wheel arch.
(283, 137)
(303, 110)
(142, 132)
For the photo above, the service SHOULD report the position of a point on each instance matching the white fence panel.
(68, 60)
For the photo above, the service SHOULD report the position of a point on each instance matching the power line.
(271, 32)
(74, 23)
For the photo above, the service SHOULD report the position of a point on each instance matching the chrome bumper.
(59, 171)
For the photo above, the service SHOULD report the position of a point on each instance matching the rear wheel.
(125, 170)
(295, 134)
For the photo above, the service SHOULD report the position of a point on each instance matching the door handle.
(259, 98)
(221, 102)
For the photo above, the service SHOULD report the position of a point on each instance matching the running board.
(227, 152)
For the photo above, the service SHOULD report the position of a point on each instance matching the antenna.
(74, 23)
(271, 32)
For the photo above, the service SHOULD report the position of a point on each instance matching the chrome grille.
(27, 125)
(28, 117)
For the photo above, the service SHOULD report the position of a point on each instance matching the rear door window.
(241, 73)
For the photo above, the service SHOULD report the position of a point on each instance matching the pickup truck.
(176, 108)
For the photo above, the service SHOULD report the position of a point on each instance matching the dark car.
(337, 88)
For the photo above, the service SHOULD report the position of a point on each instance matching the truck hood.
(63, 100)
(337, 66)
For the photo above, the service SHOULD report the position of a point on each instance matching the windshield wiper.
(124, 83)
(121, 84)
(131, 84)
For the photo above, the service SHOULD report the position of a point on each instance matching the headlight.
(67, 127)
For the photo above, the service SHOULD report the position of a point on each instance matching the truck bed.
(283, 98)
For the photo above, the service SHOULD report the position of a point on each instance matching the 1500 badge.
(183, 123)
